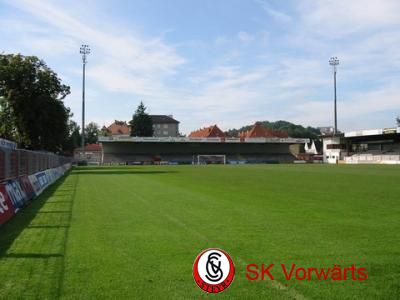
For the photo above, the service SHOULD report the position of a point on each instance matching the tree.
(104, 131)
(7, 128)
(74, 137)
(141, 124)
(398, 121)
(92, 132)
(32, 112)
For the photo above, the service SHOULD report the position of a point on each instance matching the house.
(258, 131)
(165, 126)
(212, 131)
(116, 128)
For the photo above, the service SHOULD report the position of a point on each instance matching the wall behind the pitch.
(16, 193)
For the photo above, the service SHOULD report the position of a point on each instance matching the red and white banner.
(15, 193)
(6, 207)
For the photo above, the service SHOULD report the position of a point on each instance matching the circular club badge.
(213, 270)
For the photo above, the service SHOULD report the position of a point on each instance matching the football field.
(134, 232)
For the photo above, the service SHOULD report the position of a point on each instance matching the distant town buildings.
(163, 126)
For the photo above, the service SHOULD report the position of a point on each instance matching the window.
(158, 125)
(165, 132)
(165, 126)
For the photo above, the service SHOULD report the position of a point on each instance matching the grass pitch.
(134, 232)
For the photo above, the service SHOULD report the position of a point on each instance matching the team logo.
(213, 270)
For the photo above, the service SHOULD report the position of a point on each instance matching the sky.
(225, 62)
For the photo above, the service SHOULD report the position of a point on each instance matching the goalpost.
(205, 159)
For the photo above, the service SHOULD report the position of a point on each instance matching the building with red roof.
(117, 128)
(207, 132)
(258, 131)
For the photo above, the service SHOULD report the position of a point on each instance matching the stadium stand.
(258, 145)
(134, 150)
(366, 146)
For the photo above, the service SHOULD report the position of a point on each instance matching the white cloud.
(120, 59)
(245, 37)
(338, 17)
(276, 14)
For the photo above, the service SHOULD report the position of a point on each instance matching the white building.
(333, 147)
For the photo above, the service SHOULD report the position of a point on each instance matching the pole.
(334, 80)
(334, 62)
(83, 110)
(85, 50)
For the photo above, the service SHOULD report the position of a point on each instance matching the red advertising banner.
(6, 207)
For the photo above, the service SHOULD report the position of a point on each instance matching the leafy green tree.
(32, 111)
(104, 131)
(74, 138)
(141, 123)
(92, 132)
(7, 127)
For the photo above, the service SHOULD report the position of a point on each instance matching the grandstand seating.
(111, 158)
(127, 152)
(373, 157)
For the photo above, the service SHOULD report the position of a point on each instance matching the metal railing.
(18, 162)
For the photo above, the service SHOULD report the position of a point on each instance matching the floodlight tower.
(85, 50)
(334, 62)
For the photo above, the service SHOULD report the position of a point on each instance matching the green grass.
(134, 232)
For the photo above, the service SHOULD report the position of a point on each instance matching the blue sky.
(225, 62)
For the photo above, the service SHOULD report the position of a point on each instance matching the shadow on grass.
(33, 244)
(54, 212)
(13, 228)
(47, 226)
(32, 255)
(105, 171)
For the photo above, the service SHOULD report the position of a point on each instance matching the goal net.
(211, 159)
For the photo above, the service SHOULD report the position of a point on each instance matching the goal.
(211, 159)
